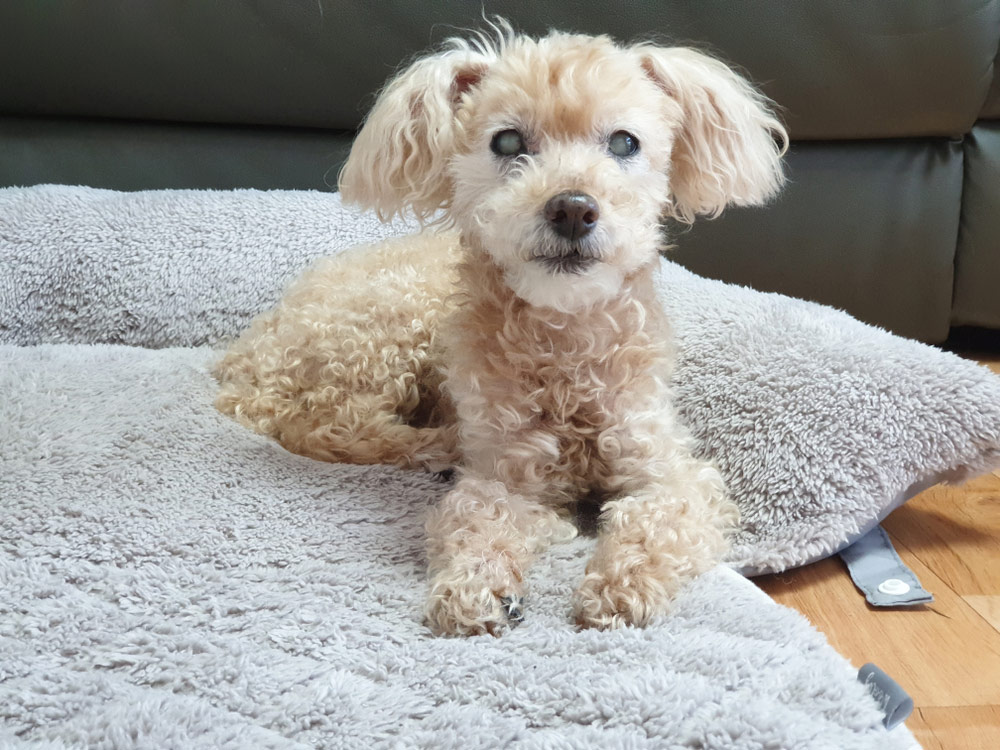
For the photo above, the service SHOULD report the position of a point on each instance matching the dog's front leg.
(667, 526)
(481, 539)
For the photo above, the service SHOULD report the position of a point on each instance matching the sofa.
(891, 211)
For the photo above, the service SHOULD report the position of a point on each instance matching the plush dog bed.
(821, 424)
(169, 579)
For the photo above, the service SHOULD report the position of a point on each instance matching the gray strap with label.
(896, 705)
(881, 575)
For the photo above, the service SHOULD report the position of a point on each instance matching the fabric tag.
(896, 705)
(881, 575)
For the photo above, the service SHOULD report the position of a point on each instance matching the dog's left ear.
(729, 146)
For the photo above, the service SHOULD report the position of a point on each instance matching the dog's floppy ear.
(399, 159)
(729, 147)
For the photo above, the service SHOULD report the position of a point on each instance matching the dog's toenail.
(444, 476)
(513, 608)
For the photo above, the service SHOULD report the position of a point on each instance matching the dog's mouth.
(572, 260)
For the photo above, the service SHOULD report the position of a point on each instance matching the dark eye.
(508, 143)
(622, 144)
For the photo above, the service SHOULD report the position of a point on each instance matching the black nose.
(572, 215)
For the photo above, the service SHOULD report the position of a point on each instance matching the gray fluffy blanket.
(168, 580)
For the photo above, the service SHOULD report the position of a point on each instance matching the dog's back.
(345, 368)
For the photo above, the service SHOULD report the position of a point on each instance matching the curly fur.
(462, 346)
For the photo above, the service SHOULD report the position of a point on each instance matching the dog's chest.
(549, 400)
(576, 396)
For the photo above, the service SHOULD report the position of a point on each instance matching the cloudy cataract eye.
(622, 143)
(507, 143)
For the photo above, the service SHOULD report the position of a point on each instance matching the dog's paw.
(474, 604)
(605, 603)
(624, 589)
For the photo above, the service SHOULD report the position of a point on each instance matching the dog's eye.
(508, 143)
(623, 144)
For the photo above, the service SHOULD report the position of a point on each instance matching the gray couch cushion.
(840, 68)
(977, 264)
(866, 227)
(148, 155)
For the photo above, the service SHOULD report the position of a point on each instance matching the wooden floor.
(946, 655)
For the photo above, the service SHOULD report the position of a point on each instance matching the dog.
(519, 338)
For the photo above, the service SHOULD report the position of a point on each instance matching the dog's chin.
(566, 284)
(574, 262)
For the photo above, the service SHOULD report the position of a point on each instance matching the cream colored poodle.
(522, 340)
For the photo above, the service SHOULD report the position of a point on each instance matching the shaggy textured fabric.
(160, 268)
(169, 580)
(821, 424)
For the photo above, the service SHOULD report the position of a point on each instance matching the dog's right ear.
(399, 159)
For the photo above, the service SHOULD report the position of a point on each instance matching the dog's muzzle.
(572, 216)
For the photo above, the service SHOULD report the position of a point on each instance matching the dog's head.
(559, 157)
